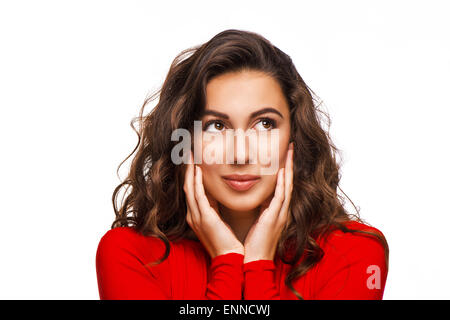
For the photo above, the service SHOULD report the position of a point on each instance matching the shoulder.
(122, 235)
(127, 240)
(361, 243)
(360, 238)
(354, 264)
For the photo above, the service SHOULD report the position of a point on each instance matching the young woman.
(230, 229)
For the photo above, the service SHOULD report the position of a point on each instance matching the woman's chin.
(241, 206)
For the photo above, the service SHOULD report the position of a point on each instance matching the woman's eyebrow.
(254, 114)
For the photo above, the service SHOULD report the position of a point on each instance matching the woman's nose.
(242, 147)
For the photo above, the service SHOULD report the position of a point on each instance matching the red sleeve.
(121, 275)
(227, 277)
(259, 280)
(354, 269)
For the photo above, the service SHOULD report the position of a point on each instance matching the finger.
(289, 175)
(200, 196)
(189, 190)
(279, 187)
(189, 217)
(277, 200)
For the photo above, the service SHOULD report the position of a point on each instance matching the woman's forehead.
(243, 94)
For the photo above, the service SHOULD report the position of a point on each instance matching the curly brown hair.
(156, 204)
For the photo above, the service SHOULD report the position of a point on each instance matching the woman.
(234, 229)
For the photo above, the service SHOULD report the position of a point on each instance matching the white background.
(74, 73)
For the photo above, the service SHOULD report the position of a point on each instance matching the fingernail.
(291, 146)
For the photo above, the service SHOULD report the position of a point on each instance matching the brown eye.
(267, 124)
(213, 125)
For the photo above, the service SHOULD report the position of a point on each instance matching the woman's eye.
(266, 124)
(218, 126)
(213, 125)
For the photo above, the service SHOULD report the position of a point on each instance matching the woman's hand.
(262, 238)
(202, 216)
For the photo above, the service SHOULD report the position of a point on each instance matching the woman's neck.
(239, 221)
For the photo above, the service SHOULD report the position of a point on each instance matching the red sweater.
(353, 267)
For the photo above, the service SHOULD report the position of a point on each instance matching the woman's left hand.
(262, 238)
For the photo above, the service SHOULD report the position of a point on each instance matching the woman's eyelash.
(272, 122)
(211, 122)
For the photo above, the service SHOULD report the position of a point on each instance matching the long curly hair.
(154, 202)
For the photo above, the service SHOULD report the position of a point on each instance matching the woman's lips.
(241, 185)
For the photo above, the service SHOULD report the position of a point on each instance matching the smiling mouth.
(241, 185)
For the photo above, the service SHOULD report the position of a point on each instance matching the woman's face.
(231, 102)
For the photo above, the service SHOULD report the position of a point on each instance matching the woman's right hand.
(202, 216)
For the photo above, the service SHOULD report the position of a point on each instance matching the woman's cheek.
(212, 148)
(270, 183)
(269, 152)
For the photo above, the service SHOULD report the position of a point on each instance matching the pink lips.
(241, 182)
